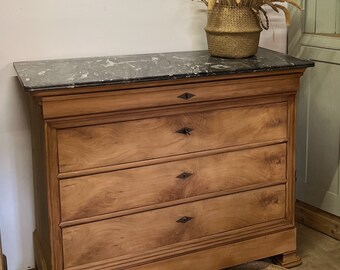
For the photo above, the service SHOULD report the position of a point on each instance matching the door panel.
(325, 16)
(337, 17)
(310, 16)
(318, 117)
(321, 156)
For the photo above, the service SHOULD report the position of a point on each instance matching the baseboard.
(318, 219)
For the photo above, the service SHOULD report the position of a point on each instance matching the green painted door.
(315, 35)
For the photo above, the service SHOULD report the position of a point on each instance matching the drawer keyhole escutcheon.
(186, 96)
(184, 176)
(185, 131)
(184, 220)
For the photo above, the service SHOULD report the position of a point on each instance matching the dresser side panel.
(42, 234)
(291, 160)
(54, 196)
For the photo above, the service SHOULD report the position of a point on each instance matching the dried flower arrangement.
(234, 26)
(255, 5)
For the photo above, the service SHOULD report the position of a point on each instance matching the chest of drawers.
(192, 173)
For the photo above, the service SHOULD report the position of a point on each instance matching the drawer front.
(93, 195)
(116, 143)
(167, 95)
(136, 234)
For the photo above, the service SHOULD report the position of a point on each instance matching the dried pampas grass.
(255, 5)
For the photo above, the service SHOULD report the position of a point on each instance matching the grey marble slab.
(82, 72)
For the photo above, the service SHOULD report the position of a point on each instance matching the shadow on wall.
(276, 37)
(198, 23)
(16, 184)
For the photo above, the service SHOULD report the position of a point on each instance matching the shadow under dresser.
(163, 161)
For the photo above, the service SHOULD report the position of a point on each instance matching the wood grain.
(232, 78)
(162, 160)
(72, 105)
(291, 171)
(318, 219)
(53, 195)
(227, 256)
(40, 258)
(288, 259)
(191, 246)
(42, 200)
(126, 189)
(149, 230)
(317, 250)
(106, 160)
(103, 145)
(140, 114)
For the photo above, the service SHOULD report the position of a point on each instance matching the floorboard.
(317, 250)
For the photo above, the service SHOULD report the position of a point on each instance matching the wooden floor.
(318, 251)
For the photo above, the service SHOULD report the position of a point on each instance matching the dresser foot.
(288, 260)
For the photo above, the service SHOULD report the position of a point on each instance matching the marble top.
(82, 72)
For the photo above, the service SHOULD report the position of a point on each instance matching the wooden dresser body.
(178, 174)
(141, 178)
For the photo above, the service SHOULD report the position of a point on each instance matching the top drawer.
(102, 145)
(71, 105)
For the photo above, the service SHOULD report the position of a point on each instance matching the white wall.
(49, 29)
(276, 37)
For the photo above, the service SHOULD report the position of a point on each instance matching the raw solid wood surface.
(39, 254)
(41, 182)
(140, 114)
(54, 197)
(191, 246)
(291, 171)
(318, 219)
(102, 145)
(227, 256)
(126, 189)
(107, 196)
(288, 259)
(139, 233)
(317, 250)
(71, 105)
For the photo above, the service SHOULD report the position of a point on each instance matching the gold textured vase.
(233, 32)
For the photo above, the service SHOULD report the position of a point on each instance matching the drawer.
(102, 145)
(167, 95)
(93, 195)
(139, 233)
